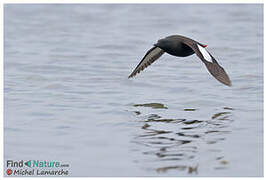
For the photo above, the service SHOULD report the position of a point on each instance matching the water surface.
(67, 96)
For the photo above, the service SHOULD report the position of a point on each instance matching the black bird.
(181, 46)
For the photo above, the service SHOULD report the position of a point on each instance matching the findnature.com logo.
(21, 168)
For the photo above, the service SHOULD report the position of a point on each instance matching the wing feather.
(152, 55)
(210, 62)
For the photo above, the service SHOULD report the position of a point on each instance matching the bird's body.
(181, 46)
(174, 45)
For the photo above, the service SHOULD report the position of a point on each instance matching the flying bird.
(181, 46)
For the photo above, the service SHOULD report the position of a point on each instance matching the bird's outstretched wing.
(210, 62)
(152, 55)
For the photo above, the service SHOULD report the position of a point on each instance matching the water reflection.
(189, 169)
(176, 142)
(152, 105)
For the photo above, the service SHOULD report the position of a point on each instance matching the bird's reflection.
(176, 147)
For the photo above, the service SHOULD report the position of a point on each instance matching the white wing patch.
(205, 53)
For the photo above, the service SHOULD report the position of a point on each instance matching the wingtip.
(227, 82)
(130, 76)
(229, 85)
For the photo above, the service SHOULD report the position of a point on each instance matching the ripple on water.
(152, 105)
(176, 140)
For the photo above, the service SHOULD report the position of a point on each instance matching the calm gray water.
(67, 96)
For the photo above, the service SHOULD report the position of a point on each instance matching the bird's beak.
(204, 45)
